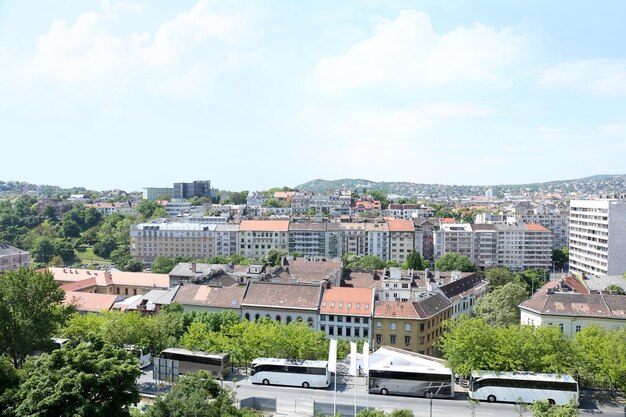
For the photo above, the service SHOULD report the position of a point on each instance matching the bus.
(526, 387)
(292, 372)
(192, 361)
(420, 381)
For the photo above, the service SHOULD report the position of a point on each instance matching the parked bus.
(192, 361)
(420, 381)
(526, 387)
(292, 372)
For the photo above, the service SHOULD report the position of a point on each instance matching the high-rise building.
(597, 237)
(192, 189)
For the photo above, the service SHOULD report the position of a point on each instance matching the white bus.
(418, 381)
(293, 372)
(526, 387)
(192, 361)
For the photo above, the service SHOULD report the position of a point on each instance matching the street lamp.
(429, 394)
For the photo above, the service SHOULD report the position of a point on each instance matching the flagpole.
(335, 396)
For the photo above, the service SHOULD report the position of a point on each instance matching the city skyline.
(253, 95)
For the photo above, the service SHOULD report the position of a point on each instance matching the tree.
(197, 394)
(414, 261)
(500, 307)
(104, 247)
(146, 208)
(370, 262)
(499, 276)
(70, 228)
(134, 265)
(543, 408)
(92, 217)
(601, 355)
(89, 380)
(43, 251)
(560, 257)
(163, 265)
(455, 262)
(64, 250)
(274, 257)
(31, 307)
(615, 289)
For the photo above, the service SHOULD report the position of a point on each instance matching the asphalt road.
(298, 402)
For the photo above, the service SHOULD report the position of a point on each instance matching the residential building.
(524, 246)
(210, 298)
(90, 302)
(177, 207)
(226, 237)
(12, 258)
(411, 325)
(255, 198)
(424, 237)
(485, 245)
(282, 302)
(401, 239)
(109, 208)
(569, 305)
(597, 237)
(346, 313)
(192, 189)
(453, 238)
(258, 237)
(555, 222)
(109, 282)
(149, 240)
(152, 193)
(396, 285)
(315, 239)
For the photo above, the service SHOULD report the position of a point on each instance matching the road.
(298, 402)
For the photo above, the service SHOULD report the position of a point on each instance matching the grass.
(86, 256)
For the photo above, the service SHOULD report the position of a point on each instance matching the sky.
(257, 94)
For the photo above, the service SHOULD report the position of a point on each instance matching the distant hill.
(597, 184)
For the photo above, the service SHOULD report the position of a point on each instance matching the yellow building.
(411, 325)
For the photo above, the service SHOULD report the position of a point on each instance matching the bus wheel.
(384, 391)
(551, 401)
(266, 382)
(491, 398)
(305, 384)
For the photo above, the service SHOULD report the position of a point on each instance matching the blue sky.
(268, 93)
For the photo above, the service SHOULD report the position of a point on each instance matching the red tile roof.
(348, 301)
(536, 228)
(397, 225)
(90, 302)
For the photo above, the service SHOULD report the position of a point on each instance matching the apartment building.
(409, 211)
(258, 237)
(597, 237)
(485, 243)
(346, 312)
(401, 239)
(377, 239)
(453, 238)
(315, 239)
(424, 240)
(411, 325)
(192, 189)
(524, 246)
(226, 238)
(555, 222)
(109, 208)
(149, 240)
(12, 258)
(152, 193)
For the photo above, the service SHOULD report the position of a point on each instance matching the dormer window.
(332, 304)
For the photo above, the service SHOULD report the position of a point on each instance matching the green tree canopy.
(615, 289)
(500, 307)
(163, 265)
(455, 262)
(104, 247)
(500, 276)
(197, 394)
(31, 308)
(414, 261)
(560, 257)
(89, 380)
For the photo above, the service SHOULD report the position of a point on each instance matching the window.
(421, 327)
(379, 325)
(407, 327)
(407, 340)
(392, 325)
(561, 327)
(339, 331)
(379, 338)
(392, 339)
(578, 328)
(421, 340)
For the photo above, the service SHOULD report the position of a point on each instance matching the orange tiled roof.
(264, 225)
(536, 228)
(399, 225)
(92, 302)
(348, 301)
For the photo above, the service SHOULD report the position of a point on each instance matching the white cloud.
(180, 58)
(603, 77)
(406, 53)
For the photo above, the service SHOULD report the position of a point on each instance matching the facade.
(401, 239)
(109, 208)
(453, 238)
(346, 313)
(112, 282)
(258, 237)
(568, 304)
(12, 258)
(315, 239)
(557, 223)
(485, 243)
(177, 206)
(151, 193)
(524, 246)
(282, 302)
(411, 325)
(192, 189)
(424, 237)
(226, 237)
(149, 240)
(597, 237)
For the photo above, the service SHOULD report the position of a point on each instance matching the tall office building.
(597, 237)
(192, 189)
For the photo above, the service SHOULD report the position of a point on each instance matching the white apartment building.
(149, 240)
(315, 239)
(226, 238)
(258, 237)
(524, 246)
(346, 312)
(597, 237)
(151, 193)
(401, 239)
(453, 238)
